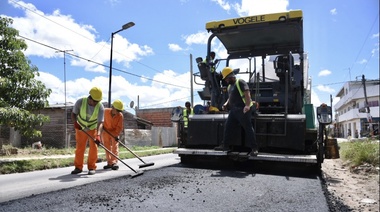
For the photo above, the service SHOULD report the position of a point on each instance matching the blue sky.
(152, 58)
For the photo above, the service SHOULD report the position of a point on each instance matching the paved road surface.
(167, 186)
(19, 185)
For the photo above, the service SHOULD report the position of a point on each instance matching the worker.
(88, 117)
(113, 126)
(240, 108)
(211, 62)
(188, 110)
(214, 78)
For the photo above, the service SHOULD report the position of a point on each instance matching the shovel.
(100, 144)
(140, 166)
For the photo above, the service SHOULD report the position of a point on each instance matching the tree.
(21, 95)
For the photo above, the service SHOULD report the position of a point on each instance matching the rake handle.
(100, 144)
(125, 146)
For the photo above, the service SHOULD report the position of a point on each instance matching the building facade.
(357, 111)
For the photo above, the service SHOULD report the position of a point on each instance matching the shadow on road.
(229, 168)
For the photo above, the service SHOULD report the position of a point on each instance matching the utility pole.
(369, 118)
(191, 80)
(64, 79)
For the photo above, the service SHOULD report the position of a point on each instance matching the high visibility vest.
(240, 92)
(186, 116)
(84, 119)
(212, 67)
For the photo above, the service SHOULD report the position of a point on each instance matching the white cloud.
(150, 95)
(376, 49)
(256, 7)
(333, 11)
(61, 32)
(325, 88)
(375, 35)
(174, 47)
(314, 98)
(197, 38)
(363, 61)
(225, 5)
(324, 73)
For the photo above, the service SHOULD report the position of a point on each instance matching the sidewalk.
(353, 139)
(39, 157)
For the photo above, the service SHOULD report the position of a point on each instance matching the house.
(351, 111)
(160, 117)
(54, 133)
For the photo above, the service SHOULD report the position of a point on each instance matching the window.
(373, 103)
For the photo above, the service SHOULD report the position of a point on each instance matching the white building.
(351, 113)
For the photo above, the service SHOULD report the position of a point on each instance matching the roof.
(268, 34)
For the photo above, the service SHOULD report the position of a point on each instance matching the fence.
(157, 136)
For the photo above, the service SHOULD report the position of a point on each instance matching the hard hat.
(96, 94)
(118, 105)
(226, 71)
(213, 109)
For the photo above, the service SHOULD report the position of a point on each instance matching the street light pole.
(124, 27)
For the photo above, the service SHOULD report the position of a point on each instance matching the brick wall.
(160, 117)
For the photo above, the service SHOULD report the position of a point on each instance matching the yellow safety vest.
(186, 117)
(212, 67)
(84, 119)
(240, 92)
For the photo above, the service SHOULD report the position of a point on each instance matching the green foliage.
(21, 95)
(36, 163)
(359, 152)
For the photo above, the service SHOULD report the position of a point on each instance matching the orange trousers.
(111, 144)
(81, 145)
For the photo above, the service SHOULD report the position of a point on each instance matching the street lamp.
(124, 27)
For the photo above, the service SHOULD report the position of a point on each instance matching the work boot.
(115, 167)
(254, 153)
(91, 172)
(76, 171)
(221, 148)
(107, 167)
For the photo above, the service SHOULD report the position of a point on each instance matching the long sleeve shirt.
(113, 124)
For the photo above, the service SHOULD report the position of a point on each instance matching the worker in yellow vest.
(88, 117)
(188, 110)
(240, 108)
(214, 77)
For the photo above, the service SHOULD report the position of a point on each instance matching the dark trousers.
(236, 119)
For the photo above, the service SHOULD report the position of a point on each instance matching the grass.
(38, 158)
(357, 152)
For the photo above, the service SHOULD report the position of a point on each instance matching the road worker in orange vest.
(113, 126)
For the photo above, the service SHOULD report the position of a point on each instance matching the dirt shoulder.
(351, 188)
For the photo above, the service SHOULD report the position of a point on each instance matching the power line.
(373, 24)
(43, 16)
(161, 103)
(329, 84)
(100, 64)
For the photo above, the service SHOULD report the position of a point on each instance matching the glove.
(77, 126)
(98, 140)
(256, 104)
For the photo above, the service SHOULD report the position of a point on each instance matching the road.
(20, 185)
(168, 186)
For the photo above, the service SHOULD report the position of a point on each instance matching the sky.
(70, 43)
